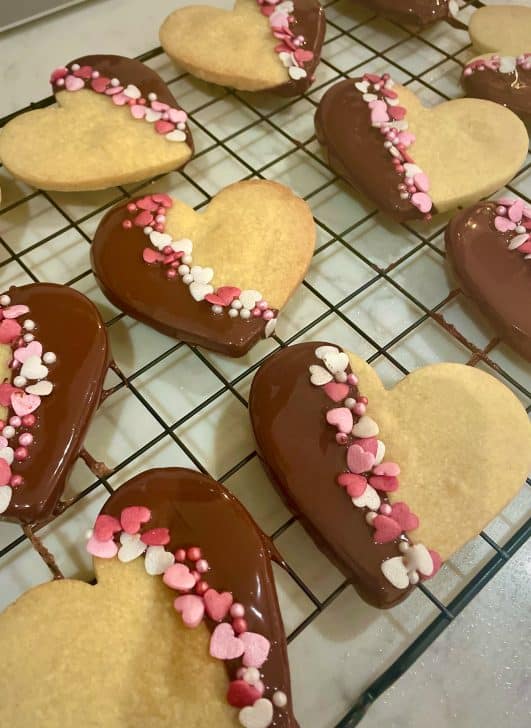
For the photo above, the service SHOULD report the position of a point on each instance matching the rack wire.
(356, 41)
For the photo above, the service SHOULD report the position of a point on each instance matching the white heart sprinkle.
(157, 560)
(395, 572)
(183, 244)
(153, 116)
(336, 363)
(417, 558)
(132, 92)
(362, 86)
(365, 427)
(296, 73)
(200, 290)
(518, 240)
(270, 327)
(6, 493)
(380, 452)
(410, 170)
(132, 547)
(250, 298)
(369, 97)
(259, 715)
(175, 136)
(7, 454)
(286, 59)
(202, 275)
(368, 499)
(319, 375)
(322, 351)
(33, 368)
(286, 7)
(41, 389)
(160, 240)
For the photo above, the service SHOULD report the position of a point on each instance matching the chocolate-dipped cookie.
(389, 483)
(217, 278)
(53, 359)
(413, 12)
(259, 45)
(182, 628)
(488, 246)
(116, 123)
(413, 161)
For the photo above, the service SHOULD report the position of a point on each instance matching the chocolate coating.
(416, 12)
(130, 71)
(301, 455)
(498, 279)
(144, 292)
(512, 90)
(68, 324)
(198, 511)
(310, 22)
(356, 151)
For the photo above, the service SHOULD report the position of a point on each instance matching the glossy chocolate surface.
(198, 511)
(68, 324)
(356, 151)
(129, 71)
(310, 22)
(300, 453)
(512, 90)
(144, 292)
(416, 12)
(498, 279)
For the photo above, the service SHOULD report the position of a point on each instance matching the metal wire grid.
(341, 26)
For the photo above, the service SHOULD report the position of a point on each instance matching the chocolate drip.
(498, 279)
(128, 71)
(310, 22)
(144, 292)
(68, 324)
(512, 90)
(303, 459)
(413, 12)
(198, 511)
(356, 151)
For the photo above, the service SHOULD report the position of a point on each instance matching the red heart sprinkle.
(407, 520)
(217, 604)
(387, 483)
(143, 219)
(152, 256)
(133, 517)
(224, 295)
(146, 203)
(105, 527)
(372, 77)
(267, 10)
(163, 127)
(6, 390)
(156, 537)
(100, 84)
(9, 330)
(336, 390)
(162, 199)
(5, 471)
(83, 72)
(240, 694)
(302, 56)
(396, 112)
(369, 444)
(387, 529)
(437, 563)
(355, 484)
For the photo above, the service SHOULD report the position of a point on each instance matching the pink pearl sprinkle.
(194, 553)
(237, 610)
(28, 420)
(363, 400)
(167, 250)
(359, 409)
(15, 421)
(180, 555)
(399, 168)
(202, 566)
(131, 207)
(25, 439)
(159, 228)
(256, 312)
(268, 315)
(385, 509)
(197, 576)
(263, 305)
(16, 480)
(201, 587)
(239, 625)
(341, 438)
(352, 379)
(500, 210)
(161, 219)
(127, 224)
(161, 210)
(21, 453)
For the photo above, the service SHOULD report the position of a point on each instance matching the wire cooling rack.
(378, 288)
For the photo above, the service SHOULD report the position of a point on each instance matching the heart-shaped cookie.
(215, 278)
(414, 12)
(489, 248)
(413, 161)
(53, 359)
(141, 651)
(449, 443)
(260, 44)
(116, 122)
(503, 76)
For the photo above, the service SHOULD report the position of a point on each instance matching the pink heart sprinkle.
(422, 182)
(358, 460)
(384, 482)
(217, 604)
(161, 199)
(34, 348)
(100, 84)
(5, 471)
(516, 211)
(179, 577)
(406, 138)
(156, 537)
(177, 116)
(112, 90)
(224, 644)
(58, 73)
(102, 549)
(267, 10)
(303, 56)
(15, 311)
(369, 444)
(397, 112)
(256, 649)
(137, 111)
(227, 294)
(503, 224)
(386, 529)
(3, 442)
(146, 203)
(407, 520)
(143, 219)
(72, 83)
(279, 21)
(422, 201)
(372, 77)
(120, 99)
(133, 517)
(389, 468)
(9, 330)
(340, 417)
(355, 484)
(24, 404)
(105, 527)
(164, 127)
(378, 111)
(159, 106)
(83, 72)
(336, 390)
(192, 609)
(6, 390)
(152, 256)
